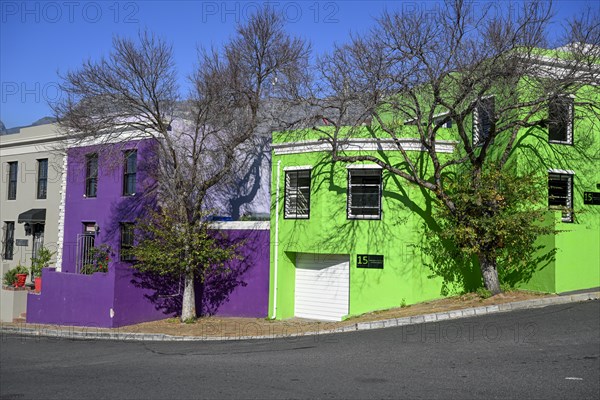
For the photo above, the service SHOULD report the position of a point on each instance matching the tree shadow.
(220, 282)
(165, 292)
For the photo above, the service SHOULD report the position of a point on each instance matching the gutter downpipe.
(276, 263)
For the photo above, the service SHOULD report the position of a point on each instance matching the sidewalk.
(222, 329)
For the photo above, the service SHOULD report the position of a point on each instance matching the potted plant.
(99, 260)
(15, 277)
(37, 263)
(10, 277)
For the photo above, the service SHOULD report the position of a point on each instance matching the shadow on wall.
(166, 291)
(246, 190)
(220, 283)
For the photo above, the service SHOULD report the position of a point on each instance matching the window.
(483, 120)
(364, 193)
(129, 173)
(560, 194)
(9, 240)
(560, 120)
(297, 194)
(91, 175)
(12, 180)
(127, 236)
(42, 183)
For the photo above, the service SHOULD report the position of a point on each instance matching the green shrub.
(484, 293)
(41, 261)
(10, 277)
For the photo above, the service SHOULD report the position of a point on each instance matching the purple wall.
(87, 300)
(244, 290)
(72, 299)
(123, 296)
(110, 207)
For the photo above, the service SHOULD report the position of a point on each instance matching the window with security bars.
(297, 194)
(483, 120)
(364, 193)
(127, 239)
(9, 240)
(91, 175)
(560, 194)
(560, 120)
(129, 173)
(12, 180)
(42, 182)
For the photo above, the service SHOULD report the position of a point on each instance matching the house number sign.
(21, 242)
(369, 261)
(592, 198)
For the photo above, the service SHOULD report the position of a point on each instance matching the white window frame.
(567, 208)
(477, 138)
(367, 170)
(570, 122)
(296, 193)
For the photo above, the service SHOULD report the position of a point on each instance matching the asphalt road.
(546, 353)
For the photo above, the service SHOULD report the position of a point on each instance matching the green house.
(345, 236)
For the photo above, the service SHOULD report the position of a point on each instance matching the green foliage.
(506, 287)
(483, 293)
(10, 277)
(99, 258)
(498, 214)
(403, 303)
(42, 260)
(167, 246)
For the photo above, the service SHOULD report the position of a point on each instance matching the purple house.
(107, 189)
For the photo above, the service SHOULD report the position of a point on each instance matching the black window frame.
(554, 202)
(126, 241)
(8, 241)
(129, 177)
(91, 176)
(483, 119)
(561, 116)
(42, 179)
(350, 196)
(291, 211)
(13, 176)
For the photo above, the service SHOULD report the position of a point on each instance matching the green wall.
(328, 231)
(406, 277)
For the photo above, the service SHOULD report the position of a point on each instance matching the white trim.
(61, 215)
(276, 255)
(433, 117)
(408, 144)
(298, 168)
(561, 171)
(364, 166)
(241, 225)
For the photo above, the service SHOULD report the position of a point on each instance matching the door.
(38, 242)
(322, 286)
(85, 244)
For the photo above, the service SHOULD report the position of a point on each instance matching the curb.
(83, 334)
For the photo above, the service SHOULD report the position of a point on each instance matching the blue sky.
(39, 39)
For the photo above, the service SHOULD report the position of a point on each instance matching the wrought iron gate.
(85, 243)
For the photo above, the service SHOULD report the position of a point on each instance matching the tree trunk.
(489, 273)
(188, 306)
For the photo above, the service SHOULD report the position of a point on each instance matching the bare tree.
(133, 94)
(483, 70)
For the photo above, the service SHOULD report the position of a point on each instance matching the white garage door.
(322, 286)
